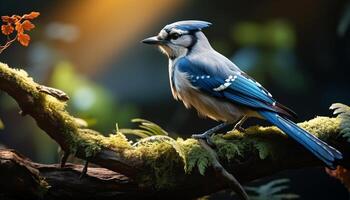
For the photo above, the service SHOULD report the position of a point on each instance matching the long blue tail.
(323, 151)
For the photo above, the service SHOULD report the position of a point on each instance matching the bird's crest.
(188, 25)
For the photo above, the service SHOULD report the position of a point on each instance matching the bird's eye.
(174, 36)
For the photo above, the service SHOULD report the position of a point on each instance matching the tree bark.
(153, 168)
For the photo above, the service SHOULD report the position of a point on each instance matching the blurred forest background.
(299, 50)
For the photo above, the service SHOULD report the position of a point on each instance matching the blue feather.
(250, 88)
(242, 90)
(319, 148)
(188, 25)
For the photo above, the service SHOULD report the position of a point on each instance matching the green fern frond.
(229, 149)
(196, 156)
(343, 112)
(137, 132)
(147, 129)
(150, 126)
(263, 148)
(271, 191)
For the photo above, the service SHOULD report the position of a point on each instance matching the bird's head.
(177, 39)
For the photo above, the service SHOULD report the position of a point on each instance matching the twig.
(221, 171)
(8, 43)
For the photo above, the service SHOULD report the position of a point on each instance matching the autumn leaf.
(23, 39)
(19, 27)
(31, 15)
(17, 24)
(342, 174)
(27, 25)
(7, 29)
(6, 19)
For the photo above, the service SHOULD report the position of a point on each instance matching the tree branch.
(162, 166)
(21, 178)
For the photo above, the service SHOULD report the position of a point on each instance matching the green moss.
(322, 127)
(20, 77)
(162, 164)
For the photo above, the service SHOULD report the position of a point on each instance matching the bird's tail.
(323, 151)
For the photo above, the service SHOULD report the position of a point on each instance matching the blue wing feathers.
(243, 90)
(248, 87)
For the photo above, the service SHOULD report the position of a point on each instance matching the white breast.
(208, 106)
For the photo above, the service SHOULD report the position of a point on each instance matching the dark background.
(299, 50)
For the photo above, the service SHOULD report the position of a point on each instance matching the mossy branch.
(161, 165)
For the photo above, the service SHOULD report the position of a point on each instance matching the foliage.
(343, 112)
(16, 25)
(147, 129)
(196, 156)
(2, 126)
(271, 191)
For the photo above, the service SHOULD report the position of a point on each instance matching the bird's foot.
(204, 136)
(239, 128)
(83, 173)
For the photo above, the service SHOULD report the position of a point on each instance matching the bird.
(204, 79)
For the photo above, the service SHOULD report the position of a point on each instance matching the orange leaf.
(16, 18)
(8, 19)
(31, 15)
(5, 18)
(24, 39)
(342, 174)
(7, 29)
(19, 27)
(27, 25)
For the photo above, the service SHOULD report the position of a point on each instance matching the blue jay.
(204, 79)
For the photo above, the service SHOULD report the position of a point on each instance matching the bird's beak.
(153, 40)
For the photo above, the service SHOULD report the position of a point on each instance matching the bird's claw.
(205, 137)
(84, 171)
(239, 128)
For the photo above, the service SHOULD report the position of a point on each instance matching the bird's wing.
(233, 86)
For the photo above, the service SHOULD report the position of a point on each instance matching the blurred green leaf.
(278, 34)
(2, 126)
(344, 21)
(275, 34)
(89, 100)
(246, 33)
